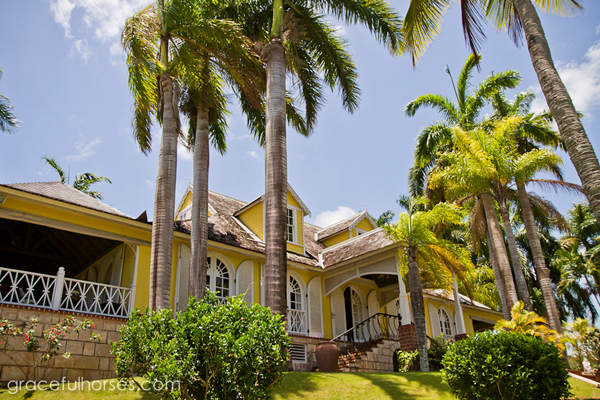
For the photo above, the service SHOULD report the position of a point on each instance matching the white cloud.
(81, 47)
(84, 150)
(105, 17)
(252, 154)
(340, 30)
(582, 80)
(150, 183)
(182, 151)
(327, 218)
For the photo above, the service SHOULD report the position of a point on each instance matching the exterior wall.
(364, 224)
(311, 345)
(89, 360)
(339, 238)
(142, 286)
(253, 218)
(108, 223)
(377, 359)
(128, 267)
(186, 202)
(468, 312)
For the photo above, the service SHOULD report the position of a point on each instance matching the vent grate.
(298, 353)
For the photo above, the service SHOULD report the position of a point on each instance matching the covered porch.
(59, 269)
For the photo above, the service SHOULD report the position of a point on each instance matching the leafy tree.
(422, 252)
(519, 18)
(8, 120)
(82, 182)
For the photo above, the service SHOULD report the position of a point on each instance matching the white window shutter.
(339, 311)
(245, 281)
(315, 307)
(435, 321)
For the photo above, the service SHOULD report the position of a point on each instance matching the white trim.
(315, 281)
(295, 226)
(230, 270)
(181, 214)
(189, 189)
(450, 315)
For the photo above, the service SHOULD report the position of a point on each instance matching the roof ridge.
(369, 233)
(343, 220)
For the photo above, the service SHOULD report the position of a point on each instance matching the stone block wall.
(379, 358)
(311, 345)
(89, 360)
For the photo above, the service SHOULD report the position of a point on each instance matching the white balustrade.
(95, 298)
(26, 288)
(297, 321)
(59, 293)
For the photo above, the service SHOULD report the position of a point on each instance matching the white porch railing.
(26, 288)
(66, 294)
(297, 321)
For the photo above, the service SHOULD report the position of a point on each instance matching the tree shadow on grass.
(410, 385)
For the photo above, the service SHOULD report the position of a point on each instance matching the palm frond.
(51, 161)
(422, 23)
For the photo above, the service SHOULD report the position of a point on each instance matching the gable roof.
(366, 243)
(343, 225)
(262, 198)
(224, 227)
(67, 194)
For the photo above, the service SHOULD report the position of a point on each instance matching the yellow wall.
(253, 219)
(187, 202)
(142, 286)
(340, 237)
(78, 219)
(128, 267)
(365, 225)
(483, 314)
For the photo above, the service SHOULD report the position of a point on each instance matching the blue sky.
(64, 72)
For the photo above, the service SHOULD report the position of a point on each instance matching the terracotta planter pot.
(327, 356)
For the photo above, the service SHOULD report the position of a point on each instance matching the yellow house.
(62, 251)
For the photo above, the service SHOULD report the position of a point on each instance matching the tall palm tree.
(8, 120)
(421, 251)
(529, 133)
(82, 182)
(423, 22)
(294, 37)
(160, 41)
(227, 58)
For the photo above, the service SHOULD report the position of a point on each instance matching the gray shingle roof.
(341, 226)
(363, 244)
(65, 193)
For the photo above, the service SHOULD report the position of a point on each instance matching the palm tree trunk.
(561, 106)
(161, 254)
(538, 260)
(514, 255)
(418, 307)
(498, 275)
(199, 239)
(500, 250)
(275, 182)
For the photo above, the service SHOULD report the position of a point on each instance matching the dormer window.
(291, 225)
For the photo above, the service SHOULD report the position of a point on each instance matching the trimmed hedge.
(505, 365)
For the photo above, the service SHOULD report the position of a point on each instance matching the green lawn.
(312, 385)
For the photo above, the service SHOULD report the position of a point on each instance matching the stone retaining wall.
(89, 360)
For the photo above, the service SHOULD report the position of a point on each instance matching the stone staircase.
(376, 358)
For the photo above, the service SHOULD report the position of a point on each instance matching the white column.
(59, 285)
(459, 319)
(134, 280)
(404, 302)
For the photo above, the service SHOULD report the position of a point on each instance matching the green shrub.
(505, 365)
(438, 347)
(228, 351)
(406, 360)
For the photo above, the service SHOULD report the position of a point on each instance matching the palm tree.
(295, 38)
(437, 138)
(421, 251)
(8, 120)
(82, 182)
(423, 22)
(225, 59)
(161, 41)
(531, 131)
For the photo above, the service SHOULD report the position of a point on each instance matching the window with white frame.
(218, 278)
(445, 324)
(291, 225)
(296, 312)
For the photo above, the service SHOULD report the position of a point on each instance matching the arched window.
(218, 278)
(357, 307)
(296, 311)
(445, 324)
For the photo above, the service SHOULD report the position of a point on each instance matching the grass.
(309, 385)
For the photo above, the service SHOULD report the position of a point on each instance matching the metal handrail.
(376, 327)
